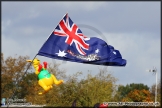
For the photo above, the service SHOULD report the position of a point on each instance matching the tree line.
(88, 91)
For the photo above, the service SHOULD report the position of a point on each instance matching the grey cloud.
(110, 17)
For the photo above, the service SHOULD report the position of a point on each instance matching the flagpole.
(154, 70)
(21, 78)
(156, 89)
(52, 31)
(28, 68)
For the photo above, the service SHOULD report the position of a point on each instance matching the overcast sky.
(133, 28)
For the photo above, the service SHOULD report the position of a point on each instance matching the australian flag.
(67, 42)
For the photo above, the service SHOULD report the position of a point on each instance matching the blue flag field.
(68, 43)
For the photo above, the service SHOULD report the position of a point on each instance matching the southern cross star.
(114, 52)
(61, 53)
(97, 50)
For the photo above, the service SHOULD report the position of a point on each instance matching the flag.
(68, 43)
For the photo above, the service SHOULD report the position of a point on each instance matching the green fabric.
(44, 74)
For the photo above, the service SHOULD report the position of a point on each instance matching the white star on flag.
(114, 52)
(61, 53)
(97, 50)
